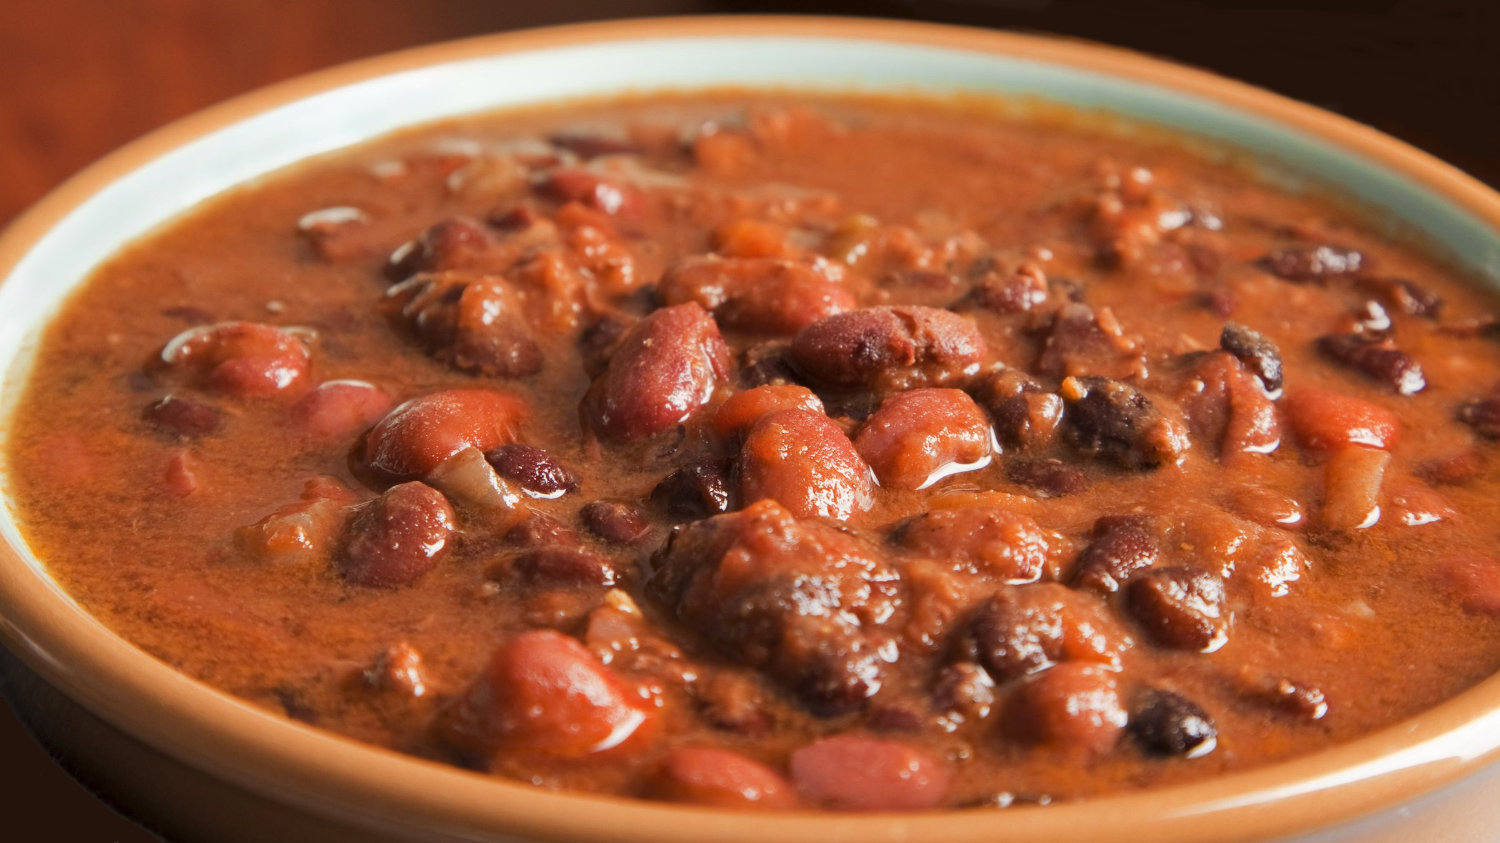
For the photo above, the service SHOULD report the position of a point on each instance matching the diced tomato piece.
(1327, 421)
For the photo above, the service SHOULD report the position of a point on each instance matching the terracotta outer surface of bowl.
(142, 731)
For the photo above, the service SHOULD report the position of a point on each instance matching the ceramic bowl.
(196, 763)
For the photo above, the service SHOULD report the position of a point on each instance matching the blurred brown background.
(81, 77)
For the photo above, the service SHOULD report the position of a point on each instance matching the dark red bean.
(183, 417)
(803, 460)
(398, 537)
(665, 369)
(1299, 700)
(1171, 725)
(966, 689)
(593, 144)
(853, 773)
(723, 779)
(565, 566)
(921, 436)
(889, 348)
(422, 433)
(1049, 478)
(599, 341)
(1227, 406)
(1406, 295)
(1314, 263)
(1026, 629)
(241, 359)
(694, 491)
(594, 190)
(533, 468)
(1482, 414)
(1017, 291)
(1378, 359)
(1259, 354)
(761, 294)
(1122, 546)
(615, 521)
(539, 530)
(337, 409)
(1071, 705)
(1114, 420)
(454, 243)
(473, 323)
(1081, 340)
(543, 693)
(1181, 608)
(1025, 417)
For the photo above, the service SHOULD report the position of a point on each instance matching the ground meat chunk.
(665, 369)
(471, 322)
(1083, 341)
(1048, 478)
(1025, 417)
(889, 348)
(764, 295)
(1114, 420)
(801, 600)
(984, 541)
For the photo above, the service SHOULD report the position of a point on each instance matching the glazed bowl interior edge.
(46, 253)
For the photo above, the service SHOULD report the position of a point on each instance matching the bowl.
(194, 762)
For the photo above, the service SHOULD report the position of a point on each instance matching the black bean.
(537, 471)
(1313, 263)
(183, 417)
(694, 491)
(1122, 545)
(1482, 414)
(1051, 478)
(1376, 358)
(1180, 608)
(1169, 724)
(615, 521)
(1111, 419)
(1259, 354)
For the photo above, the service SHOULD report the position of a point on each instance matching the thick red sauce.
(757, 451)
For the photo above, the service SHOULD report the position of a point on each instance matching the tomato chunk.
(1325, 420)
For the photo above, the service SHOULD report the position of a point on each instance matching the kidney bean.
(565, 566)
(544, 693)
(803, 460)
(1227, 406)
(593, 189)
(1377, 358)
(1017, 291)
(594, 144)
(1482, 414)
(723, 779)
(1113, 420)
(183, 418)
(615, 521)
(473, 323)
(1122, 545)
(1267, 507)
(1326, 421)
(536, 470)
(763, 295)
(1025, 417)
(1407, 295)
(987, 541)
(1171, 725)
(694, 491)
(1049, 478)
(455, 243)
(1474, 581)
(1453, 470)
(1299, 700)
(1082, 341)
(1259, 354)
(540, 530)
(743, 409)
(889, 348)
(801, 600)
(339, 409)
(1026, 629)
(1351, 487)
(920, 436)
(852, 773)
(665, 369)
(1181, 608)
(1070, 705)
(397, 538)
(422, 433)
(965, 689)
(241, 359)
(1314, 263)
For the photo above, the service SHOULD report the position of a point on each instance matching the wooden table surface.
(81, 77)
